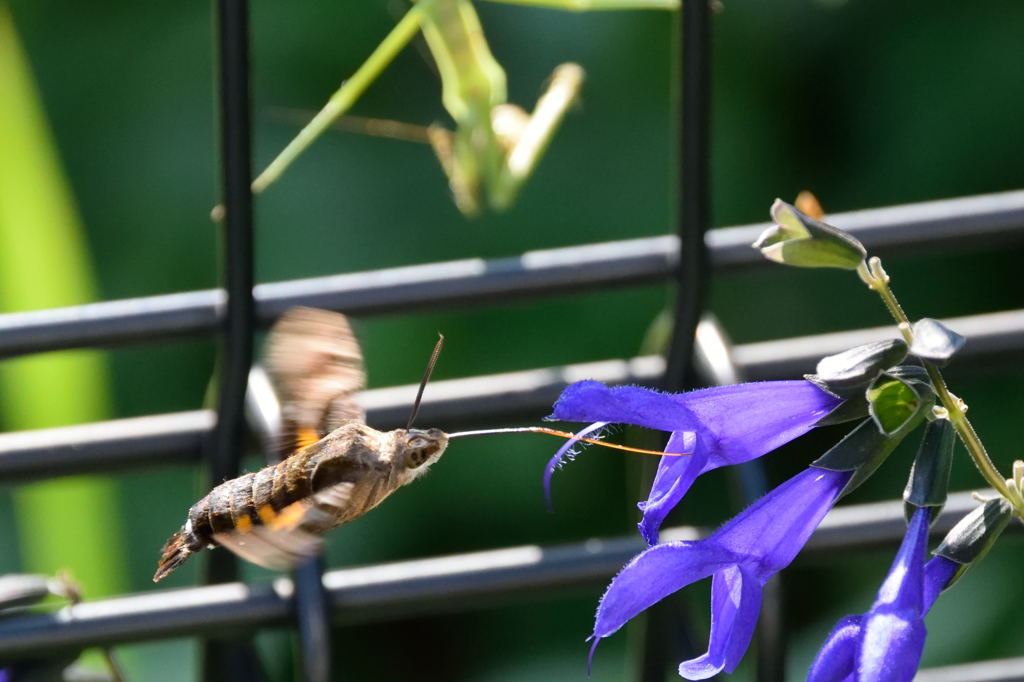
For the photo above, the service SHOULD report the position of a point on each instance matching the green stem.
(877, 280)
(342, 100)
(590, 5)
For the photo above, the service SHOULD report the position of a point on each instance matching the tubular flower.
(715, 426)
(886, 642)
(740, 557)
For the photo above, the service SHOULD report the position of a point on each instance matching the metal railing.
(397, 590)
(970, 222)
(178, 438)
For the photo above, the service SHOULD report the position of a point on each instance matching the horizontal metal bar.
(1002, 670)
(966, 221)
(110, 446)
(395, 590)
(530, 393)
(990, 337)
(120, 443)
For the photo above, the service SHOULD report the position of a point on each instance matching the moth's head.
(421, 448)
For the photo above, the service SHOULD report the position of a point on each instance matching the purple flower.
(886, 642)
(716, 426)
(740, 557)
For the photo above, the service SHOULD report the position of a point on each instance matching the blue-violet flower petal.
(741, 556)
(717, 426)
(886, 642)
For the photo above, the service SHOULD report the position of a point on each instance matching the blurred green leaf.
(69, 522)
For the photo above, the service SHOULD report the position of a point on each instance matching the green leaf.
(69, 522)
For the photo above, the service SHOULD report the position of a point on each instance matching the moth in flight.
(334, 467)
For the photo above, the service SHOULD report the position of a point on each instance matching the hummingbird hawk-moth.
(334, 468)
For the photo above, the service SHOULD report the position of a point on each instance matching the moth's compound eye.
(416, 457)
(418, 442)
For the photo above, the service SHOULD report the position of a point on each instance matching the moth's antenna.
(426, 378)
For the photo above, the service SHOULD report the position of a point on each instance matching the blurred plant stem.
(71, 523)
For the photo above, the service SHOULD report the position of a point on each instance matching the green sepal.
(935, 342)
(847, 372)
(909, 372)
(862, 450)
(822, 384)
(928, 484)
(800, 240)
(973, 536)
(810, 253)
(894, 402)
(854, 407)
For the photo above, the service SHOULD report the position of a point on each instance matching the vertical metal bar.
(714, 361)
(236, 347)
(665, 639)
(694, 212)
(694, 274)
(312, 610)
(230, 659)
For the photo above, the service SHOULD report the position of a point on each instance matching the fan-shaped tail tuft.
(174, 554)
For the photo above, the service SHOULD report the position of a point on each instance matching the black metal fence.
(396, 590)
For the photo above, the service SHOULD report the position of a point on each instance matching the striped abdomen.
(238, 504)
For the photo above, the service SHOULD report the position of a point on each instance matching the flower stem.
(872, 274)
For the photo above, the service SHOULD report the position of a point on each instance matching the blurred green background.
(867, 103)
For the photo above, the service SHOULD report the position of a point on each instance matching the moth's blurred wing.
(315, 364)
(333, 500)
(288, 536)
(276, 551)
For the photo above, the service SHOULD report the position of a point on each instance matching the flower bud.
(929, 477)
(852, 370)
(800, 240)
(934, 341)
(972, 537)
